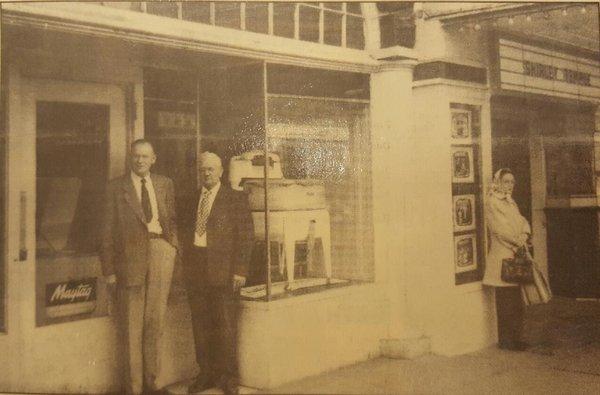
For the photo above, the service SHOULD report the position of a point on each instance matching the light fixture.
(564, 12)
(477, 26)
(528, 18)
(511, 21)
(583, 10)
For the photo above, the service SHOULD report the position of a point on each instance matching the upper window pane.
(353, 8)
(333, 6)
(197, 11)
(283, 19)
(309, 24)
(168, 9)
(355, 36)
(257, 15)
(333, 28)
(227, 15)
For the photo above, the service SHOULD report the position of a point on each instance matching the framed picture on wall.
(465, 253)
(463, 212)
(461, 126)
(462, 164)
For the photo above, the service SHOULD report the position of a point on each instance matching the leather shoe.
(201, 382)
(229, 386)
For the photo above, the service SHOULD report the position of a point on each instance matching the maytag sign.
(71, 297)
(527, 68)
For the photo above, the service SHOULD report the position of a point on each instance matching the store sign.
(548, 72)
(176, 120)
(532, 69)
(71, 297)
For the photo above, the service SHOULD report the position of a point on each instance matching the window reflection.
(71, 161)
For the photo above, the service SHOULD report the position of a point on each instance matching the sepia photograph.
(464, 212)
(465, 252)
(225, 197)
(462, 164)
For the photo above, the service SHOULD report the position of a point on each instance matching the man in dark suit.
(217, 242)
(138, 251)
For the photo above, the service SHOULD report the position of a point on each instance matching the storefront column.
(392, 132)
(597, 154)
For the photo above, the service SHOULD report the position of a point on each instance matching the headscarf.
(496, 188)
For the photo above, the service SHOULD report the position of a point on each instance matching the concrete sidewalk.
(564, 359)
(491, 371)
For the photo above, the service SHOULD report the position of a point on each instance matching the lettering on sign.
(176, 120)
(548, 72)
(70, 292)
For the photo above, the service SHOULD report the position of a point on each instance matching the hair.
(206, 155)
(504, 171)
(141, 142)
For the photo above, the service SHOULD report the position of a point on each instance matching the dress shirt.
(154, 224)
(200, 240)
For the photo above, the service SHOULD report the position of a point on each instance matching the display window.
(314, 125)
(570, 168)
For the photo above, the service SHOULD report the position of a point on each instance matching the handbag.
(518, 269)
(538, 292)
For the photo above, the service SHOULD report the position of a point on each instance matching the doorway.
(72, 140)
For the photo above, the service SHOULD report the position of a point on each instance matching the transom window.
(330, 23)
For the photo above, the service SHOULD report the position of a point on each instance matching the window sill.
(310, 293)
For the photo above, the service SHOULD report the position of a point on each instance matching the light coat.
(507, 229)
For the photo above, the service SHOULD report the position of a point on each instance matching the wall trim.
(138, 27)
(451, 71)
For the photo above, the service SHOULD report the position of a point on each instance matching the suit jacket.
(124, 249)
(230, 235)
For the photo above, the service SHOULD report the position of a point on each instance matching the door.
(65, 141)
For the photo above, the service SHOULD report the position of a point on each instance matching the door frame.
(23, 340)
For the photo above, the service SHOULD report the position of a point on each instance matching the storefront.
(532, 73)
(381, 148)
(82, 81)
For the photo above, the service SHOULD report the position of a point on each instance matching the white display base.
(281, 287)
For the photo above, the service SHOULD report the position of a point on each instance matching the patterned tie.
(146, 201)
(203, 212)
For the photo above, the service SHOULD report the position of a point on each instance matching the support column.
(392, 117)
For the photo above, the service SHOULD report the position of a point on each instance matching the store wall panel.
(457, 318)
(292, 338)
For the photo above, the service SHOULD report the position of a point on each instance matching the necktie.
(203, 212)
(146, 202)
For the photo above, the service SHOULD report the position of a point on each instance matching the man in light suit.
(217, 240)
(138, 251)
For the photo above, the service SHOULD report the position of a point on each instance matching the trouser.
(142, 310)
(215, 312)
(510, 313)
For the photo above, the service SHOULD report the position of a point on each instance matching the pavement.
(564, 358)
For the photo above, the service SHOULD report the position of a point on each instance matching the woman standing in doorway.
(509, 231)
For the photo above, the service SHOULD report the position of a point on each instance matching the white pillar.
(392, 117)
